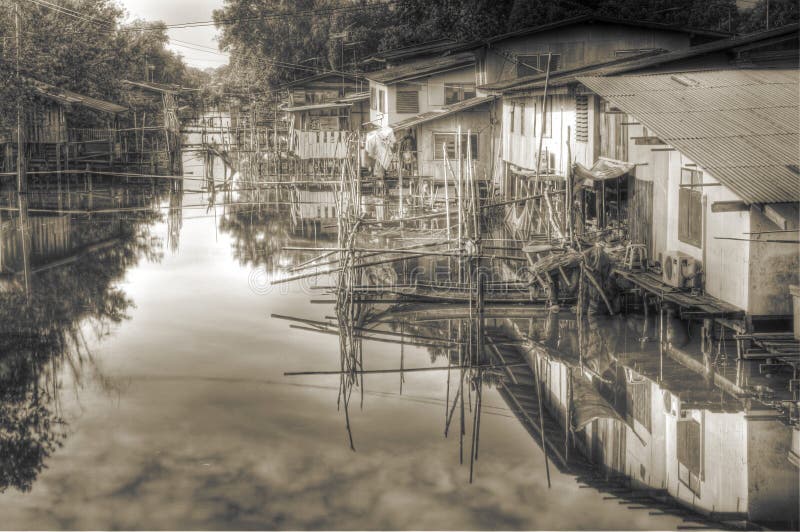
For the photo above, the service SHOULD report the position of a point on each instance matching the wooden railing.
(320, 144)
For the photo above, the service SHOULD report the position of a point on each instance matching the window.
(637, 401)
(449, 139)
(458, 92)
(527, 65)
(407, 100)
(511, 116)
(690, 207)
(381, 100)
(690, 454)
(532, 64)
(522, 118)
(373, 101)
(547, 127)
(582, 118)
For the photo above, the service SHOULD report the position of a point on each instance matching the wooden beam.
(784, 215)
(729, 206)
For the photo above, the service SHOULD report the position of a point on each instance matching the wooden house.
(322, 111)
(51, 140)
(445, 77)
(719, 152)
(153, 136)
(636, 177)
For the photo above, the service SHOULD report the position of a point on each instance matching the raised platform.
(696, 306)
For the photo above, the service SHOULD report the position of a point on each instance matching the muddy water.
(142, 386)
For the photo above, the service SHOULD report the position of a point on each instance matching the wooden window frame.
(437, 155)
(461, 90)
(522, 118)
(373, 99)
(539, 61)
(692, 480)
(530, 59)
(690, 207)
(382, 101)
(511, 117)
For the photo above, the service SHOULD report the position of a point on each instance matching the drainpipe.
(705, 241)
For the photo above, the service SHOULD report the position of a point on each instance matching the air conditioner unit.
(680, 270)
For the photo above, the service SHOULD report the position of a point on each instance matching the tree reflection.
(60, 277)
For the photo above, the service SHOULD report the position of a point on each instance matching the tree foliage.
(84, 47)
(272, 41)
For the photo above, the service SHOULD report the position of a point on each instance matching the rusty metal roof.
(444, 111)
(641, 61)
(418, 69)
(68, 97)
(152, 86)
(594, 19)
(739, 125)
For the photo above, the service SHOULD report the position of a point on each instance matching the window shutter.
(407, 101)
(582, 118)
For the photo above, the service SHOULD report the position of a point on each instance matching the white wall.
(723, 487)
(431, 94)
(521, 146)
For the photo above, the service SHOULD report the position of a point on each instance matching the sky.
(177, 11)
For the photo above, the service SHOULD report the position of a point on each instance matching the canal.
(142, 381)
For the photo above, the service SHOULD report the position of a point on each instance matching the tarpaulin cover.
(379, 144)
(602, 170)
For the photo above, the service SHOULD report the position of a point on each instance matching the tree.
(781, 13)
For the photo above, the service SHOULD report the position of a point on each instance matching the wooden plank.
(729, 206)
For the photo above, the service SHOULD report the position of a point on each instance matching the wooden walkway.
(692, 305)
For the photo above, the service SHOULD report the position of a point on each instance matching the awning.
(603, 170)
(311, 107)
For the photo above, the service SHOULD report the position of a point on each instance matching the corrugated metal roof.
(739, 125)
(68, 97)
(444, 111)
(358, 97)
(347, 101)
(418, 69)
(310, 107)
(638, 62)
(316, 77)
(435, 47)
(151, 86)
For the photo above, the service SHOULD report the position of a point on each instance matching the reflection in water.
(63, 254)
(602, 405)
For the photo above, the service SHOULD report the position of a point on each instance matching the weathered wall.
(478, 121)
(431, 94)
(726, 262)
(578, 45)
(773, 481)
(521, 146)
(723, 485)
(773, 267)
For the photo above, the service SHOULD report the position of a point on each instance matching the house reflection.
(62, 255)
(660, 428)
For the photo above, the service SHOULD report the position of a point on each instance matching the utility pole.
(21, 177)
